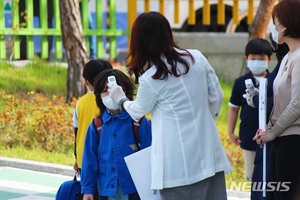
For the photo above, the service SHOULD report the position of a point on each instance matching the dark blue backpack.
(68, 190)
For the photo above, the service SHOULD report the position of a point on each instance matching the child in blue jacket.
(103, 158)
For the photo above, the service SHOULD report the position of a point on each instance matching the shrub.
(36, 121)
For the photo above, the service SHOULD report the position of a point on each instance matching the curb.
(22, 63)
(37, 166)
(240, 194)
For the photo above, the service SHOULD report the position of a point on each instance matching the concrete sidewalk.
(27, 180)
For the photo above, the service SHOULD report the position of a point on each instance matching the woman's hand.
(261, 137)
(115, 92)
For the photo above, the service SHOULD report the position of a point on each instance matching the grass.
(37, 76)
(234, 152)
(37, 154)
(51, 80)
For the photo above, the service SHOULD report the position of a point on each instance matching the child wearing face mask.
(86, 107)
(258, 54)
(103, 158)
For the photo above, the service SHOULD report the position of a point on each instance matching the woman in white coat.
(182, 92)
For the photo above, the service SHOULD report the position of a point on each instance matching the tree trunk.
(75, 47)
(261, 20)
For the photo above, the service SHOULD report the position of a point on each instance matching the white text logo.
(259, 186)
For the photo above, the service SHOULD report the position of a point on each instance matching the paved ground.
(20, 184)
(30, 180)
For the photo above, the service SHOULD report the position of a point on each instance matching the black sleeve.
(255, 100)
(269, 105)
(271, 77)
(75, 132)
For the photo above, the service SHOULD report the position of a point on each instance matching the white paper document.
(139, 165)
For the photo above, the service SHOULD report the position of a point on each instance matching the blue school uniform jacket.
(105, 162)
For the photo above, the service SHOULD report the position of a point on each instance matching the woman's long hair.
(151, 41)
(280, 50)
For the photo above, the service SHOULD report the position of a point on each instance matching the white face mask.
(275, 34)
(110, 103)
(257, 66)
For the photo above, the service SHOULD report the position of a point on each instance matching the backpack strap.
(136, 126)
(97, 121)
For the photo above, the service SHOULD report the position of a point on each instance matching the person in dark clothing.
(258, 54)
(280, 51)
(284, 120)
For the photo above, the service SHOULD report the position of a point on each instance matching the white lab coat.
(185, 143)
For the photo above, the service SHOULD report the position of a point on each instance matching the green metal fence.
(29, 31)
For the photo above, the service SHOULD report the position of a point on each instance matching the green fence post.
(44, 28)
(29, 29)
(113, 27)
(99, 26)
(58, 37)
(85, 22)
(16, 27)
(2, 26)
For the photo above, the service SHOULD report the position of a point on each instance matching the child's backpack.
(68, 190)
(71, 190)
